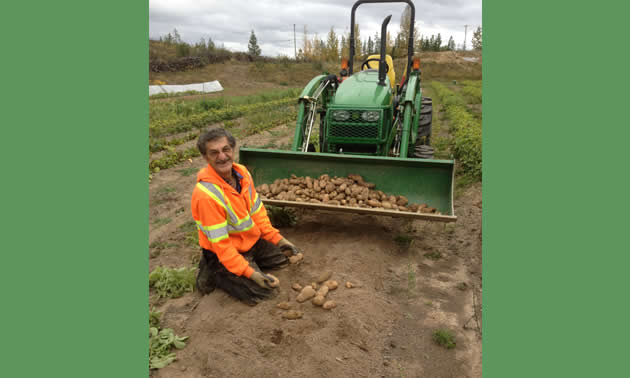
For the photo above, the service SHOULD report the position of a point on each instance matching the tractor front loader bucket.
(421, 181)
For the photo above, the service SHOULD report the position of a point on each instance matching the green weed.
(444, 338)
(161, 342)
(154, 318)
(172, 283)
(162, 221)
(403, 241)
(435, 255)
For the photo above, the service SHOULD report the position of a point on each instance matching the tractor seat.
(391, 74)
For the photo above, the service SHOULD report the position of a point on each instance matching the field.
(415, 310)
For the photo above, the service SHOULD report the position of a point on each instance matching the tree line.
(332, 47)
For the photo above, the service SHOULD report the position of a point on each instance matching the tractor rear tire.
(422, 148)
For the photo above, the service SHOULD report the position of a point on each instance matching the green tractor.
(368, 124)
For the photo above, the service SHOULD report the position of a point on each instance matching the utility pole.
(465, 34)
(294, 45)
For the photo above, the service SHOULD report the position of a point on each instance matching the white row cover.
(211, 86)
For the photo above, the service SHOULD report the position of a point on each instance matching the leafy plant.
(173, 283)
(161, 341)
(154, 318)
(445, 338)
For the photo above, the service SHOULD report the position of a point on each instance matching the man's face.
(219, 155)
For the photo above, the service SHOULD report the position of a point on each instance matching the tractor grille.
(348, 130)
(354, 127)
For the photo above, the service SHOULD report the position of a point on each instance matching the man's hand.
(284, 244)
(260, 279)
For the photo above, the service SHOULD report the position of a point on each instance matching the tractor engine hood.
(361, 90)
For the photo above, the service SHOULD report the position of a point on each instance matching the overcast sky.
(230, 22)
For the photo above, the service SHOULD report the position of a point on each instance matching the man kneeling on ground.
(235, 234)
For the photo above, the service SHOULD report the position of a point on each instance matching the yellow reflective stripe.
(208, 192)
(257, 205)
(214, 233)
(235, 224)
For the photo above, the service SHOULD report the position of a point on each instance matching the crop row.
(466, 144)
(164, 144)
(187, 107)
(180, 124)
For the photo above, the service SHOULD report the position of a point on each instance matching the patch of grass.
(187, 171)
(403, 241)
(435, 255)
(444, 338)
(188, 225)
(166, 189)
(172, 283)
(158, 245)
(162, 221)
(463, 286)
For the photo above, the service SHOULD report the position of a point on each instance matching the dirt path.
(382, 328)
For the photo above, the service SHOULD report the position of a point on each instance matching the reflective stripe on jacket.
(230, 223)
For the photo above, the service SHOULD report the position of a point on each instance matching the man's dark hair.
(214, 134)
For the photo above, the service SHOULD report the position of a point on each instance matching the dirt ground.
(382, 328)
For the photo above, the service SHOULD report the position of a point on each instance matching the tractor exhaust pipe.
(382, 63)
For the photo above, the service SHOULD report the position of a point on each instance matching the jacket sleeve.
(211, 220)
(260, 217)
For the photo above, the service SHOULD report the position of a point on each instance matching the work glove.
(261, 279)
(284, 244)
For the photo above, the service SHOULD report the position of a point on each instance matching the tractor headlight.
(370, 116)
(340, 115)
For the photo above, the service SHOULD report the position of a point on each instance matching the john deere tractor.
(368, 124)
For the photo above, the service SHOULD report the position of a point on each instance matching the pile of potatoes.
(316, 292)
(351, 191)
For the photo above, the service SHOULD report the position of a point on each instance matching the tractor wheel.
(423, 149)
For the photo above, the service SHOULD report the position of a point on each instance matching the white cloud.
(230, 22)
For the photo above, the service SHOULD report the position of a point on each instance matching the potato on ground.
(297, 287)
(332, 284)
(283, 305)
(329, 305)
(307, 293)
(319, 300)
(325, 276)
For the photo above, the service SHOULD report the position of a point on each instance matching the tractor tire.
(422, 148)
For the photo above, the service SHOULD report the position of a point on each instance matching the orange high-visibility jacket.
(230, 223)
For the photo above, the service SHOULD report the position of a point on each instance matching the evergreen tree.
(431, 44)
(332, 45)
(370, 46)
(357, 41)
(377, 43)
(438, 42)
(405, 29)
(476, 39)
(210, 45)
(451, 44)
(252, 46)
(345, 52)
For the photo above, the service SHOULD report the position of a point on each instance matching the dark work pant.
(212, 274)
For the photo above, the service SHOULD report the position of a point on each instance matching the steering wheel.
(365, 64)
